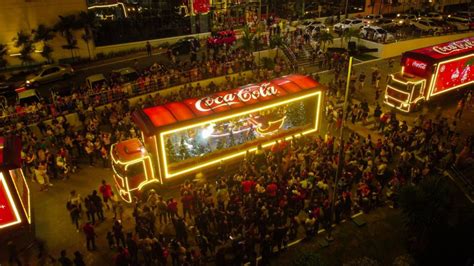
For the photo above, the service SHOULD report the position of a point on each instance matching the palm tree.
(248, 39)
(66, 26)
(24, 42)
(326, 38)
(348, 34)
(276, 41)
(3, 53)
(90, 23)
(44, 34)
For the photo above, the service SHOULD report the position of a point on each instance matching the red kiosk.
(15, 201)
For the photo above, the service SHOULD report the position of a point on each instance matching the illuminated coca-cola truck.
(15, 202)
(198, 134)
(430, 72)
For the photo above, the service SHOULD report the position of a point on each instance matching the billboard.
(453, 73)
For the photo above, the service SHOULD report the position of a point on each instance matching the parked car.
(427, 26)
(372, 19)
(125, 75)
(222, 37)
(95, 80)
(313, 25)
(49, 73)
(348, 24)
(385, 22)
(27, 97)
(434, 16)
(446, 27)
(465, 14)
(7, 90)
(375, 33)
(404, 19)
(184, 46)
(459, 23)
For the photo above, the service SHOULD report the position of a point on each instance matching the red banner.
(416, 67)
(454, 74)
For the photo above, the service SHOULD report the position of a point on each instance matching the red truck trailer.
(427, 73)
(198, 134)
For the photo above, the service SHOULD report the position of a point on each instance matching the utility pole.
(193, 17)
(347, 9)
(340, 166)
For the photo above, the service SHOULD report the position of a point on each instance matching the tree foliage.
(439, 222)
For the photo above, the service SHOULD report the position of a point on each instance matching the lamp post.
(340, 166)
(347, 9)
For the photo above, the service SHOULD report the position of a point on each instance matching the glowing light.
(17, 220)
(111, 5)
(167, 174)
(207, 132)
(433, 82)
(18, 191)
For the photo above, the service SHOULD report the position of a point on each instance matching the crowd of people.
(248, 214)
(214, 63)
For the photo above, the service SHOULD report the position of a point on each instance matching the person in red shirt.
(272, 189)
(107, 193)
(247, 185)
(172, 208)
(90, 235)
(187, 201)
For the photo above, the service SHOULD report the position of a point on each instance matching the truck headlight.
(405, 105)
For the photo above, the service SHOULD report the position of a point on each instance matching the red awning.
(175, 112)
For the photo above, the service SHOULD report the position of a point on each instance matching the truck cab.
(133, 169)
(405, 92)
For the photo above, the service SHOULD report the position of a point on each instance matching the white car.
(404, 19)
(311, 24)
(432, 16)
(427, 26)
(348, 24)
(371, 19)
(375, 33)
(459, 23)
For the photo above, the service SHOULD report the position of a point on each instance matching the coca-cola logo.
(454, 46)
(419, 65)
(243, 95)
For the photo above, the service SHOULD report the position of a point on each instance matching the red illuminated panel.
(416, 67)
(304, 82)
(201, 6)
(180, 111)
(454, 73)
(22, 190)
(8, 212)
(444, 50)
(226, 100)
(159, 116)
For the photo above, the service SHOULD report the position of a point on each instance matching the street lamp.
(346, 12)
(340, 166)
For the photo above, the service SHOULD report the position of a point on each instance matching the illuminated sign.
(272, 130)
(448, 49)
(22, 190)
(452, 74)
(415, 67)
(254, 92)
(454, 46)
(8, 211)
